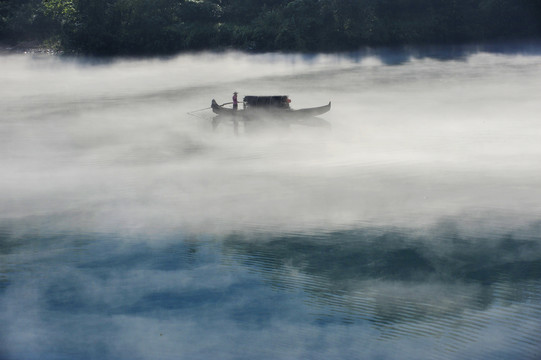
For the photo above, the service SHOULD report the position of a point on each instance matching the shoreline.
(391, 54)
(28, 47)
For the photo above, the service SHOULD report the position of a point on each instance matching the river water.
(410, 230)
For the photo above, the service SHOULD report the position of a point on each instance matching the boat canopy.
(279, 101)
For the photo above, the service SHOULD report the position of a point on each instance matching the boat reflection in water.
(263, 112)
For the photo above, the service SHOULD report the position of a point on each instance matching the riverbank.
(28, 47)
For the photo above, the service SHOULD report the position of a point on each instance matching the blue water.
(411, 230)
(366, 293)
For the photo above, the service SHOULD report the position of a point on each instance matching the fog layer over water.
(112, 144)
(411, 229)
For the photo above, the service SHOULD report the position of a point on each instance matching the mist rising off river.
(130, 230)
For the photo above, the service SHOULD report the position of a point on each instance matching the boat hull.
(255, 113)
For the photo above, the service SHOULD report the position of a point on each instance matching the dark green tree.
(146, 27)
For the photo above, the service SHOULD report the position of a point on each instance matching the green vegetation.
(137, 27)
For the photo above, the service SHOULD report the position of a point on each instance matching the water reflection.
(451, 293)
(433, 286)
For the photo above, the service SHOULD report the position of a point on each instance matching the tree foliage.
(110, 27)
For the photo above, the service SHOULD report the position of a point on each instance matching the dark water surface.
(411, 230)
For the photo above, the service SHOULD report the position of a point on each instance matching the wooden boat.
(276, 107)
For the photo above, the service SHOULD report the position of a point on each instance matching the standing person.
(235, 108)
(235, 101)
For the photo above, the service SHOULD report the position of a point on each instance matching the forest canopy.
(143, 27)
